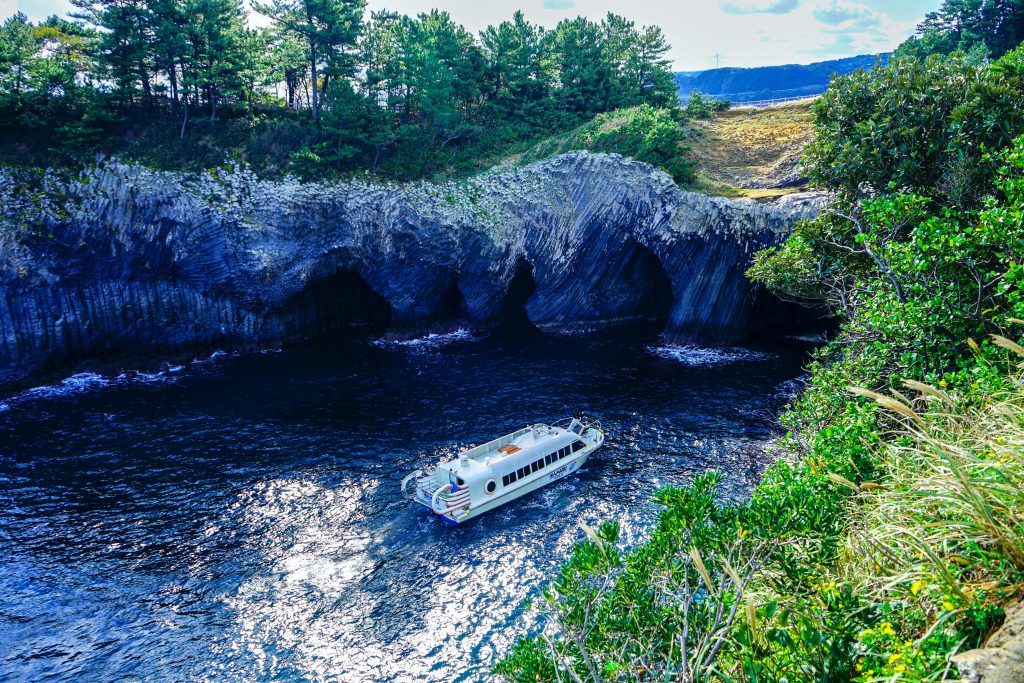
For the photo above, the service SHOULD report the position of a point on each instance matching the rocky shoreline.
(124, 259)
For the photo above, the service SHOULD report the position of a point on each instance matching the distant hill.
(770, 82)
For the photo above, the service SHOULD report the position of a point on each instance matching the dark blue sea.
(238, 518)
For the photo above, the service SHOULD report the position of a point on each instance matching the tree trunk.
(316, 99)
(184, 120)
(172, 75)
(144, 77)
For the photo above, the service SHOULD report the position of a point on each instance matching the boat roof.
(524, 441)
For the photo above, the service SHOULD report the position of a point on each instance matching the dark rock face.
(122, 258)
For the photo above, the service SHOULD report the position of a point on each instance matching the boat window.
(504, 480)
(459, 481)
(490, 486)
(578, 445)
(547, 459)
(523, 471)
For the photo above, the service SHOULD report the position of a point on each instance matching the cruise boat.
(499, 471)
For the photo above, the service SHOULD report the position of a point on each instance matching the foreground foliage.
(887, 537)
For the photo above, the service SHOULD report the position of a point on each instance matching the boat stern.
(442, 498)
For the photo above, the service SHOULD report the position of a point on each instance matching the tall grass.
(954, 493)
(938, 540)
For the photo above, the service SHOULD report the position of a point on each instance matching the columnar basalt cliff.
(124, 258)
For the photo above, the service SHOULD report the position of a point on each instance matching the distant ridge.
(771, 82)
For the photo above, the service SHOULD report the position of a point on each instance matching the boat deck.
(510, 444)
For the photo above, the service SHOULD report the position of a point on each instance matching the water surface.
(240, 519)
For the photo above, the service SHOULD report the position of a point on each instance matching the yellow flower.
(894, 657)
(916, 587)
(899, 668)
(948, 606)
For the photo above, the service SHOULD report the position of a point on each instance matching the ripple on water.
(242, 520)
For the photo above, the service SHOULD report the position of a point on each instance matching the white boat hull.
(561, 472)
(523, 462)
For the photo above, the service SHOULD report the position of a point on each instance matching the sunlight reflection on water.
(243, 522)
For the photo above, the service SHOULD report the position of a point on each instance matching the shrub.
(916, 126)
(700, 106)
(644, 133)
(890, 537)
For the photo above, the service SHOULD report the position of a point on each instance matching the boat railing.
(588, 423)
(445, 499)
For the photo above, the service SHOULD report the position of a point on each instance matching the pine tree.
(585, 76)
(126, 45)
(516, 84)
(650, 71)
(17, 54)
(329, 28)
(963, 25)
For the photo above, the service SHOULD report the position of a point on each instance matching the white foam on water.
(75, 384)
(430, 341)
(91, 381)
(698, 356)
(212, 358)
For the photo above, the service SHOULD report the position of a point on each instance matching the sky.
(703, 33)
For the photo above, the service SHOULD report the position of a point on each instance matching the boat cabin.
(495, 466)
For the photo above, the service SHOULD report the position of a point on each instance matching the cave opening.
(452, 304)
(513, 315)
(344, 300)
(638, 291)
(773, 318)
(654, 286)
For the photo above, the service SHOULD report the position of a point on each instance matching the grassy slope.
(748, 152)
(740, 153)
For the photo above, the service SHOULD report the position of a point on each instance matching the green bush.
(921, 127)
(700, 106)
(644, 133)
(887, 538)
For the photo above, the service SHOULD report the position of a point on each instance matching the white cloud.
(758, 6)
(836, 13)
(762, 32)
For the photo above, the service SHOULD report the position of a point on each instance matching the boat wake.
(696, 356)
